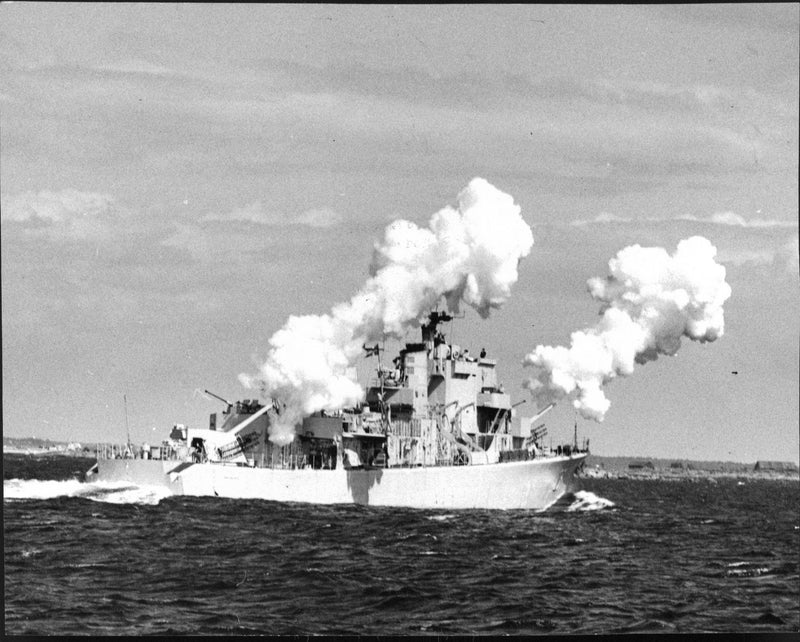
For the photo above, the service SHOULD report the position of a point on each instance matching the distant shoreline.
(694, 475)
(599, 467)
(39, 452)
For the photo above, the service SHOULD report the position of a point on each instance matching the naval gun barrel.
(543, 412)
(225, 401)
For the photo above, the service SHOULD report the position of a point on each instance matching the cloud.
(644, 130)
(730, 218)
(784, 256)
(318, 218)
(54, 207)
(420, 87)
(206, 245)
(203, 241)
(758, 242)
(776, 17)
(747, 257)
(110, 70)
(66, 214)
(256, 213)
(719, 218)
(251, 213)
(605, 218)
(136, 66)
(790, 254)
(560, 124)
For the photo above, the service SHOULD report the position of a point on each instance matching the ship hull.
(533, 485)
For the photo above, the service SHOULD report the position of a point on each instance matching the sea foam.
(585, 500)
(110, 492)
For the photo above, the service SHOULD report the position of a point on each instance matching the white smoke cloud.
(650, 301)
(467, 254)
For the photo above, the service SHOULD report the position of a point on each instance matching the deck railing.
(132, 451)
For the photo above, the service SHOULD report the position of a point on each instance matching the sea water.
(618, 556)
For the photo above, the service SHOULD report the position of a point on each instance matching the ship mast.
(127, 430)
(575, 434)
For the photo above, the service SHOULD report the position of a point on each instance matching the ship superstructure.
(436, 429)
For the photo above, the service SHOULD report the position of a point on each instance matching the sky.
(177, 180)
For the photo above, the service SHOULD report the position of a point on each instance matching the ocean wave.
(110, 492)
(229, 568)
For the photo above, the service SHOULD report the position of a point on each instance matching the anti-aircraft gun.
(538, 433)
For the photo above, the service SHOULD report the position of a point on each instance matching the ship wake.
(109, 492)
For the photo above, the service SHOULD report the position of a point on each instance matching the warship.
(435, 431)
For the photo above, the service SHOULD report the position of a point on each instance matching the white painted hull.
(534, 484)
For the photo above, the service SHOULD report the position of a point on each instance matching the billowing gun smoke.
(649, 301)
(467, 254)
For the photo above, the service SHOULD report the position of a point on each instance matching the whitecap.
(441, 518)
